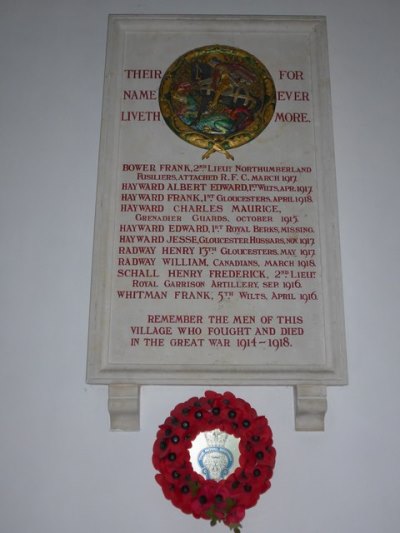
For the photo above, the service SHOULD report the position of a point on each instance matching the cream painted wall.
(61, 470)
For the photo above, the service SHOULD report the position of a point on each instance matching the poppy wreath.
(218, 501)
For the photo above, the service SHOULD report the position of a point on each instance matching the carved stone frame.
(123, 380)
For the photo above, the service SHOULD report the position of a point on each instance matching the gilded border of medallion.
(213, 142)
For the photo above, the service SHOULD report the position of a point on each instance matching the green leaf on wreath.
(229, 504)
(236, 527)
(194, 487)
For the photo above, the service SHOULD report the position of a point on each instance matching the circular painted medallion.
(217, 97)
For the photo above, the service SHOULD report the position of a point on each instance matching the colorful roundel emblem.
(217, 98)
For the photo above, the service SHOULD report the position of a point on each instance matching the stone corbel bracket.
(310, 403)
(124, 407)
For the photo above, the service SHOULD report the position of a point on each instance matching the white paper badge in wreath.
(215, 454)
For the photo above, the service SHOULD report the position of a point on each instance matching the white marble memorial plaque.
(216, 254)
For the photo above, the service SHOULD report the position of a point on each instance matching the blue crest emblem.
(215, 460)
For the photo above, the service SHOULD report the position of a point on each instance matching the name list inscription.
(215, 233)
